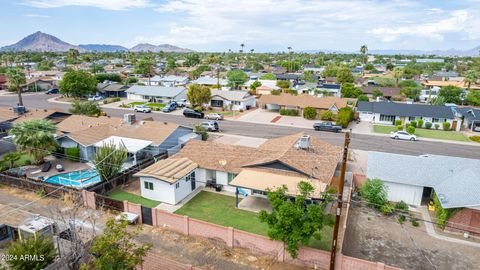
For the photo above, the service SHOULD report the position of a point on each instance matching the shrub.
(375, 192)
(428, 125)
(73, 153)
(446, 125)
(115, 99)
(88, 108)
(326, 115)
(401, 219)
(442, 214)
(413, 124)
(344, 116)
(401, 206)
(198, 108)
(411, 129)
(399, 127)
(289, 112)
(436, 126)
(200, 130)
(414, 222)
(362, 98)
(420, 123)
(387, 209)
(310, 113)
(398, 122)
(475, 138)
(275, 92)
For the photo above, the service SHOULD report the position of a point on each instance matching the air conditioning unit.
(304, 142)
(19, 109)
(129, 118)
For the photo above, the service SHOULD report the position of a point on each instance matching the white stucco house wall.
(234, 100)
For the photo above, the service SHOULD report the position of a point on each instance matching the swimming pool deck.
(34, 172)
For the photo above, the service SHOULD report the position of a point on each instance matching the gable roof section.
(303, 101)
(455, 180)
(80, 122)
(158, 91)
(469, 113)
(231, 95)
(169, 170)
(403, 109)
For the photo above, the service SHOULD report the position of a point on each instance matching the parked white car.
(142, 108)
(214, 116)
(95, 98)
(211, 126)
(402, 135)
(183, 103)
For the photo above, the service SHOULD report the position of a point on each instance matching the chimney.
(129, 118)
(304, 142)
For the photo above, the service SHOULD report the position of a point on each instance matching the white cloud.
(103, 4)
(434, 30)
(37, 16)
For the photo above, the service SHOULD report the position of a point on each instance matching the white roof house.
(455, 180)
(160, 94)
(207, 80)
(131, 145)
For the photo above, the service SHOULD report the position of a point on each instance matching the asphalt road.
(358, 141)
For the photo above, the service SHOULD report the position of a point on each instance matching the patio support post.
(135, 158)
(236, 197)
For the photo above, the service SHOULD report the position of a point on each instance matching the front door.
(193, 184)
(454, 125)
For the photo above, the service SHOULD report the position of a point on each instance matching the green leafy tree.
(171, 64)
(473, 97)
(198, 94)
(471, 77)
(255, 84)
(349, 90)
(16, 79)
(310, 113)
(35, 137)
(377, 93)
(363, 51)
(294, 221)
(78, 83)
(344, 75)
(344, 116)
(330, 70)
(116, 248)
(41, 247)
(284, 84)
(411, 92)
(268, 76)
(146, 67)
(236, 78)
(88, 108)
(11, 157)
(192, 59)
(398, 75)
(451, 94)
(375, 192)
(363, 98)
(308, 76)
(108, 160)
(101, 77)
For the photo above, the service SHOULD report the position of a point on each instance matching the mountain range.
(450, 52)
(42, 42)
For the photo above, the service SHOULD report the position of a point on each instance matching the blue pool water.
(77, 179)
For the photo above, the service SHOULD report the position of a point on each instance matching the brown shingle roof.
(303, 101)
(80, 122)
(7, 114)
(169, 170)
(35, 114)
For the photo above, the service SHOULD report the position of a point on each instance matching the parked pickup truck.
(327, 126)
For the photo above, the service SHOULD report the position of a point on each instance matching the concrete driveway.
(274, 118)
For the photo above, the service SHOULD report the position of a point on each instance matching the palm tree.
(73, 54)
(363, 51)
(470, 77)
(397, 74)
(35, 137)
(16, 79)
(11, 158)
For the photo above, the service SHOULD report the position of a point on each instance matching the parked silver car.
(402, 135)
(214, 116)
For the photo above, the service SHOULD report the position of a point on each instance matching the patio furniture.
(59, 168)
(130, 217)
(46, 166)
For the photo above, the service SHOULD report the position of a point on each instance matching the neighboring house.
(157, 94)
(141, 138)
(317, 70)
(300, 102)
(232, 100)
(292, 77)
(431, 83)
(113, 90)
(251, 171)
(268, 84)
(329, 89)
(264, 90)
(413, 179)
(445, 75)
(173, 81)
(41, 84)
(386, 113)
(470, 117)
(387, 92)
(210, 81)
(429, 93)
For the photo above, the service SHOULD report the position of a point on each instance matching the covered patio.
(255, 203)
(136, 148)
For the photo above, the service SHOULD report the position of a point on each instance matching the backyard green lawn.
(135, 103)
(220, 209)
(426, 133)
(121, 195)
(25, 159)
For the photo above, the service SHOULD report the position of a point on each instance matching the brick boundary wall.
(464, 220)
(233, 238)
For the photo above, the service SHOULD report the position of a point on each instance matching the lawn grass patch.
(24, 160)
(121, 195)
(155, 105)
(220, 209)
(135, 103)
(426, 133)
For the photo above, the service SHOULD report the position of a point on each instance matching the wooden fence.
(47, 189)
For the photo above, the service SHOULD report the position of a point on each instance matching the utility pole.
(338, 211)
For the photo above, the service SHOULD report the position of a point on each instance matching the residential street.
(359, 141)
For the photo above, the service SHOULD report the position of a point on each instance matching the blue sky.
(264, 25)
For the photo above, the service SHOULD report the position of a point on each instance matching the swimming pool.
(76, 179)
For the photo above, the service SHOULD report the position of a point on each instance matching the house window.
(387, 118)
(435, 120)
(231, 176)
(190, 177)
(177, 185)
(236, 103)
(216, 103)
(411, 118)
(148, 185)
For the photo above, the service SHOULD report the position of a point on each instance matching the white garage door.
(400, 192)
(366, 116)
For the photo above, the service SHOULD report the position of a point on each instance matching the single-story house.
(289, 77)
(300, 102)
(250, 171)
(429, 93)
(42, 84)
(141, 138)
(173, 81)
(387, 92)
(113, 89)
(386, 113)
(271, 84)
(157, 94)
(210, 81)
(330, 89)
(413, 179)
(234, 100)
(470, 117)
